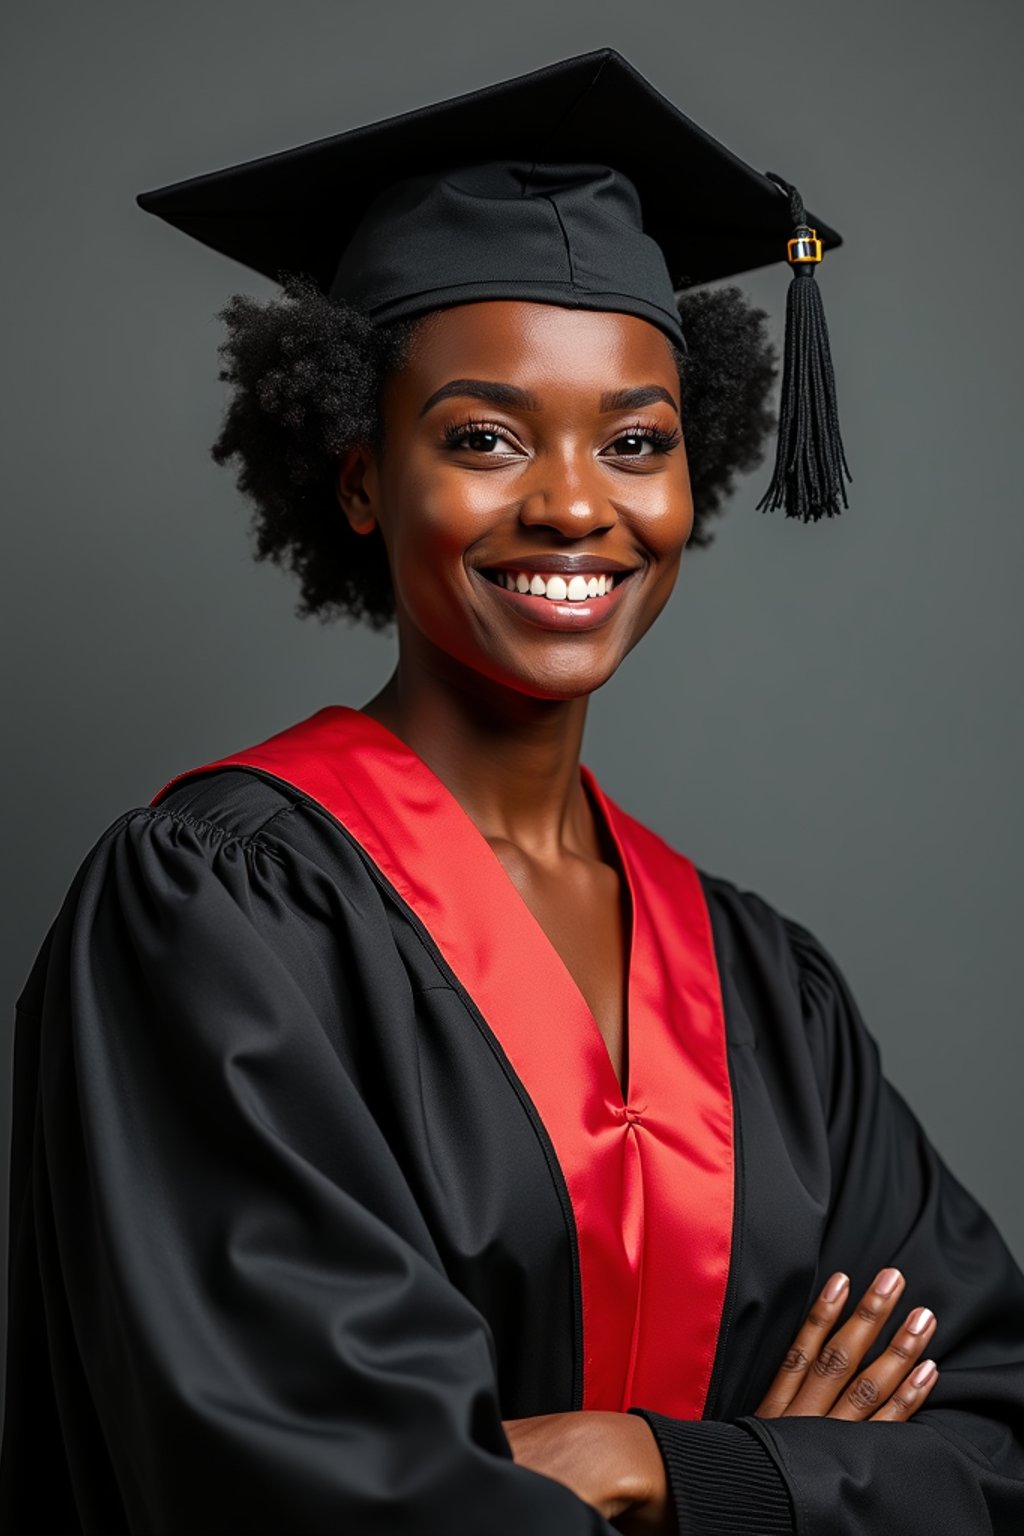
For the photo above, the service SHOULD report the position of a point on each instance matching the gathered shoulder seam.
(254, 839)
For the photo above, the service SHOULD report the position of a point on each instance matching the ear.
(353, 488)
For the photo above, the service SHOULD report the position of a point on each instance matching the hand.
(816, 1377)
(611, 1460)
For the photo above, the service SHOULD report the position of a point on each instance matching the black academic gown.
(321, 1169)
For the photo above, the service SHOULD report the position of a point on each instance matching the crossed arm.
(612, 1460)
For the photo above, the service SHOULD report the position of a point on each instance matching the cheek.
(666, 527)
(435, 520)
(666, 518)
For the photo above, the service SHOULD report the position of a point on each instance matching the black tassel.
(809, 461)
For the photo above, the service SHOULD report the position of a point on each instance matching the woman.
(407, 1138)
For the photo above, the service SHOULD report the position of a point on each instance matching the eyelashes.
(454, 434)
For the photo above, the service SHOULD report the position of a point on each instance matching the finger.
(910, 1393)
(840, 1358)
(883, 1376)
(805, 1347)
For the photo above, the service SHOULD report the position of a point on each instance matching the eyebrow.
(512, 397)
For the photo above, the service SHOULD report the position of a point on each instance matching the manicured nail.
(919, 1319)
(924, 1373)
(835, 1287)
(886, 1281)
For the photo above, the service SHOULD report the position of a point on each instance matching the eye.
(481, 436)
(660, 441)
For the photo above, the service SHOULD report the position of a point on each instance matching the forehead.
(543, 346)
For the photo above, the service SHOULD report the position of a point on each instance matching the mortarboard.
(576, 184)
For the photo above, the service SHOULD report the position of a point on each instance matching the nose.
(568, 500)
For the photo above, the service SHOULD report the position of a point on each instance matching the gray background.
(827, 714)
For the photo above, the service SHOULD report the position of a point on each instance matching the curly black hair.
(307, 377)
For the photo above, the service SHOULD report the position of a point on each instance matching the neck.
(511, 760)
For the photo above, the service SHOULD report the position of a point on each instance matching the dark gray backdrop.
(842, 729)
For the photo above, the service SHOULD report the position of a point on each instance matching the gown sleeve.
(956, 1468)
(236, 1274)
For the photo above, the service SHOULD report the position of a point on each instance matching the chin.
(555, 686)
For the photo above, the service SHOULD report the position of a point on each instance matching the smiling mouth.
(557, 588)
(559, 603)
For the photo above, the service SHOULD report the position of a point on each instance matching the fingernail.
(886, 1281)
(919, 1319)
(835, 1287)
(923, 1374)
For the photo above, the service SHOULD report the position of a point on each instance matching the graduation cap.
(576, 184)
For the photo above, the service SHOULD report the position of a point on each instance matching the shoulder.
(226, 859)
(234, 802)
(202, 825)
(790, 984)
(230, 828)
(749, 926)
(224, 810)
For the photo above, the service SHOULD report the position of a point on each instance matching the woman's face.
(533, 445)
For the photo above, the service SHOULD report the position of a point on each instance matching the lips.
(558, 612)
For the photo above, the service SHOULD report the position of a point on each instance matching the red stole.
(650, 1179)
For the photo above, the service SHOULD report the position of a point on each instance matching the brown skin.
(496, 706)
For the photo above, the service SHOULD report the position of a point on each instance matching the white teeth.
(556, 587)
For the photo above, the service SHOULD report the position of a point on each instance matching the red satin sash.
(651, 1179)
